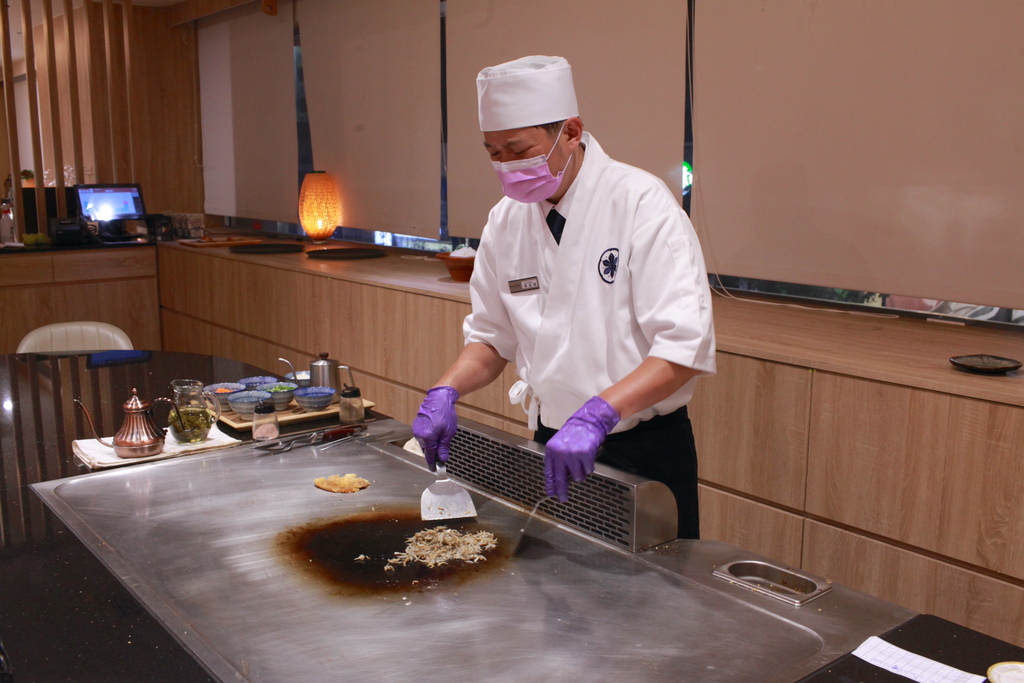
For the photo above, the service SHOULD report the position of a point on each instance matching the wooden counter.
(116, 285)
(842, 443)
(848, 445)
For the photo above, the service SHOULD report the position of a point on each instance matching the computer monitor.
(114, 202)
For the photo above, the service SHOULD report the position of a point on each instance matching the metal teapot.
(324, 373)
(138, 436)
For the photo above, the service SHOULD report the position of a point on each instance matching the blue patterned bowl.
(314, 398)
(223, 390)
(245, 402)
(280, 392)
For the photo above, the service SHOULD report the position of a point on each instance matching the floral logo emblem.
(609, 265)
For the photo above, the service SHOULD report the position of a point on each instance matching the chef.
(589, 277)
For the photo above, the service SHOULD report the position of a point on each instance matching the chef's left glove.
(573, 449)
(435, 424)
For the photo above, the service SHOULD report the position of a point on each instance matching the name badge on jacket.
(523, 285)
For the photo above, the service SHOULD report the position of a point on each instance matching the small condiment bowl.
(300, 377)
(245, 402)
(252, 382)
(314, 398)
(280, 392)
(222, 391)
(460, 268)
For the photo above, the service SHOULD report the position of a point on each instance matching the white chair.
(72, 337)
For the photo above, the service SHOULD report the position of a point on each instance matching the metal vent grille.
(600, 506)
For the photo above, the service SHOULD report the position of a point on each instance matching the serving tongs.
(326, 436)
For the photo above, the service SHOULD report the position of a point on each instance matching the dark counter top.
(929, 636)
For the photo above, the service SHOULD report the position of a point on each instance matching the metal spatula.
(445, 499)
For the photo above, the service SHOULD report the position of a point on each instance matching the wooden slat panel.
(752, 526)
(53, 100)
(74, 103)
(931, 470)
(129, 89)
(750, 426)
(33, 114)
(13, 151)
(99, 145)
(929, 586)
(117, 85)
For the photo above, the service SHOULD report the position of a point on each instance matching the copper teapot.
(138, 436)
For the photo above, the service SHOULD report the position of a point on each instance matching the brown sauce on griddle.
(332, 552)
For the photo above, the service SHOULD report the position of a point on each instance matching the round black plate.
(344, 253)
(266, 248)
(985, 364)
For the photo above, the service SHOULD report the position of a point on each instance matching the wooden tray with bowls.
(293, 413)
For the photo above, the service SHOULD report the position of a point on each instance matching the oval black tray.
(344, 253)
(985, 364)
(267, 248)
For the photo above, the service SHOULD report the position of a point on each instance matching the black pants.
(661, 449)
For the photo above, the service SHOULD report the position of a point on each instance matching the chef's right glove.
(435, 424)
(572, 451)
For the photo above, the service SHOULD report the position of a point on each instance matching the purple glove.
(435, 424)
(573, 449)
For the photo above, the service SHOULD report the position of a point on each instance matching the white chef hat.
(528, 91)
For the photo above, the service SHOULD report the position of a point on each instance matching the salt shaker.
(264, 422)
(350, 407)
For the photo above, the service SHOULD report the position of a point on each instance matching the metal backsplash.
(620, 508)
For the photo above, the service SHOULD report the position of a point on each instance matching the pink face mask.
(530, 180)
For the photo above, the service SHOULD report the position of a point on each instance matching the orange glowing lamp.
(319, 206)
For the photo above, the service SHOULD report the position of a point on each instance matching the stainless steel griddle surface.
(197, 540)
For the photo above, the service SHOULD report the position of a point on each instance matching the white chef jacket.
(627, 281)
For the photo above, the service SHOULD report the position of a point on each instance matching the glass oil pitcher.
(195, 411)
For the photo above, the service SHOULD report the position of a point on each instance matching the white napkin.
(413, 446)
(97, 456)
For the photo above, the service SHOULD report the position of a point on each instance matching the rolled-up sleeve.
(671, 296)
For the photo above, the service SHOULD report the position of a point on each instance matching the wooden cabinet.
(942, 473)
(750, 423)
(111, 284)
(757, 527)
(850, 447)
(920, 581)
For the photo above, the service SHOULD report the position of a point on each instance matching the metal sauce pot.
(138, 436)
(324, 373)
